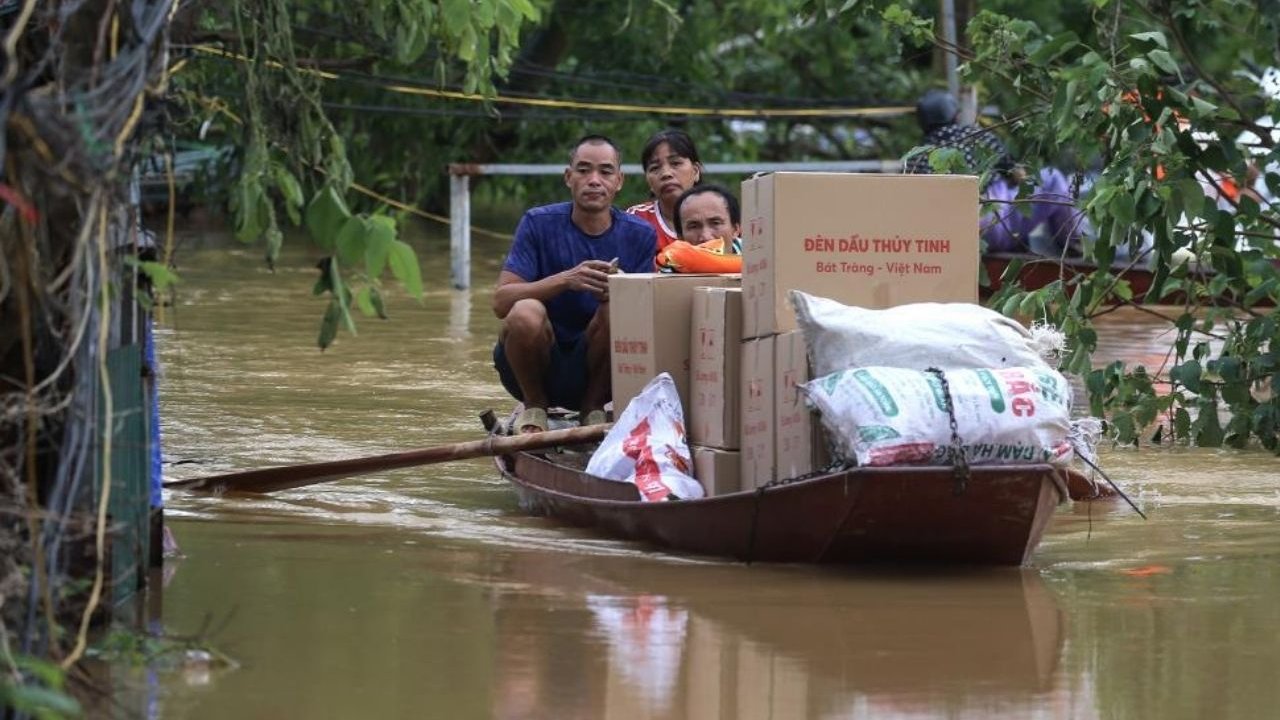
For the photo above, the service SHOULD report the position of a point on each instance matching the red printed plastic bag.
(647, 446)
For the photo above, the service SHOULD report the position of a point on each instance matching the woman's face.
(670, 174)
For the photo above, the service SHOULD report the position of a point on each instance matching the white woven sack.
(891, 416)
(915, 336)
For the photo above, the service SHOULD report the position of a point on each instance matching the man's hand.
(589, 276)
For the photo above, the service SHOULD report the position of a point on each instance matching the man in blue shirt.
(553, 292)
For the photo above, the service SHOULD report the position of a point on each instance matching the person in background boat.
(553, 291)
(671, 166)
(1055, 221)
(707, 212)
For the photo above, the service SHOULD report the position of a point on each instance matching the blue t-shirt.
(547, 242)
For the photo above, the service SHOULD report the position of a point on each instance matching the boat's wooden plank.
(862, 515)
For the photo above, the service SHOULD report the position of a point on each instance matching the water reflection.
(338, 621)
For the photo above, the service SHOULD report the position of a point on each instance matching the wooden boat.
(862, 515)
(1038, 271)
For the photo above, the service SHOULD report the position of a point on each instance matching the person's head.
(594, 175)
(706, 212)
(935, 109)
(671, 165)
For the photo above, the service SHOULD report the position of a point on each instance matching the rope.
(367, 191)
(573, 104)
(100, 538)
(959, 463)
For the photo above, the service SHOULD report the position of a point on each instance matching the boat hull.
(863, 515)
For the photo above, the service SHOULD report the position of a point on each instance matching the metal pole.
(949, 55)
(460, 230)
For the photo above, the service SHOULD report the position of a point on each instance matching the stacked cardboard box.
(714, 413)
(650, 315)
(869, 240)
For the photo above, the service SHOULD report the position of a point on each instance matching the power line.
(413, 87)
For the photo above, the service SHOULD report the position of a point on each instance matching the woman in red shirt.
(671, 166)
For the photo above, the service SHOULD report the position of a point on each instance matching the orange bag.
(709, 257)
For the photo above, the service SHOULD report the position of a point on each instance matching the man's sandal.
(532, 420)
(595, 417)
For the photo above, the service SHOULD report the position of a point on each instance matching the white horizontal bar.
(890, 166)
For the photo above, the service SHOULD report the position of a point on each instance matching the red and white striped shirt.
(649, 212)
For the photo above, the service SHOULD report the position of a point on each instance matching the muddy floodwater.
(425, 594)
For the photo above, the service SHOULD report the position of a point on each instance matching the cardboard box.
(713, 409)
(871, 240)
(718, 470)
(649, 329)
(756, 389)
(793, 422)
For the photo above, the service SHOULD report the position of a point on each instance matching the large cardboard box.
(756, 389)
(713, 410)
(871, 240)
(649, 329)
(793, 421)
(719, 471)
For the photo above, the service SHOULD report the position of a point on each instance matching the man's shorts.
(565, 378)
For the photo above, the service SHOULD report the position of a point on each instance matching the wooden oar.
(286, 477)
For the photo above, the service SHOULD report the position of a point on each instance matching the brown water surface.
(425, 594)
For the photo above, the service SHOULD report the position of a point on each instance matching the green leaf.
(1208, 428)
(1182, 423)
(526, 8)
(329, 325)
(1164, 61)
(1055, 47)
(1125, 430)
(404, 265)
(456, 15)
(342, 295)
(350, 241)
(378, 240)
(325, 216)
(1263, 290)
(364, 301)
(1152, 37)
(249, 225)
(42, 702)
(1122, 209)
(1236, 394)
(275, 240)
(1192, 197)
(1202, 108)
(161, 277)
(1029, 306)
(323, 283)
(1011, 305)
(288, 186)
(375, 297)
(1188, 375)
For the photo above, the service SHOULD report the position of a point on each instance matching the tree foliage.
(1148, 100)
(1162, 100)
(293, 156)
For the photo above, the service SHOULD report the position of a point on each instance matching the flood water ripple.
(424, 593)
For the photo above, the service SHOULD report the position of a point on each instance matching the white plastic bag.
(647, 446)
(894, 416)
(915, 336)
